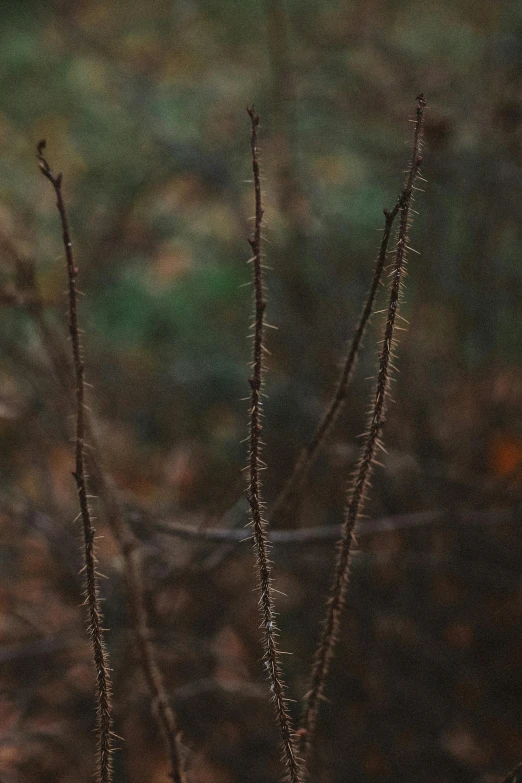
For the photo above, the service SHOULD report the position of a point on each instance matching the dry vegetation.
(197, 727)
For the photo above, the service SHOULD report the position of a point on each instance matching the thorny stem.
(286, 498)
(372, 444)
(101, 661)
(128, 545)
(271, 657)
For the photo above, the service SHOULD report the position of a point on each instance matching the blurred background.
(143, 109)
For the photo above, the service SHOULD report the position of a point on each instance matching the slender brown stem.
(165, 715)
(288, 495)
(266, 602)
(324, 534)
(101, 661)
(133, 577)
(372, 444)
(125, 539)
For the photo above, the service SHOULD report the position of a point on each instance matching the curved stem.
(101, 660)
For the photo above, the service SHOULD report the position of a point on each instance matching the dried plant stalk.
(146, 654)
(101, 661)
(271, 650)
(127, 543)
(288, 495)
(371, 445)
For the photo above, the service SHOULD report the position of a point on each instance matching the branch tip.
(254, 116)
(254, 494)
(358, 493)
(96, 626)
(163, 712)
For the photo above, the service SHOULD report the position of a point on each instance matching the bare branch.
(323, 534)
(271, 656)
(101, 661)
(371, 445)
(288, 495)
(128, 544)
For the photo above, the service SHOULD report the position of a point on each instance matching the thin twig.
(127, 542)
(133, 578)
(308, 454)
(101, 661)
(165, 715)
(372, 444)
(29, 296)
(271, 656)
(325, 533)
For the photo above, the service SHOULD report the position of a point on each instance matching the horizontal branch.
(326, 533)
